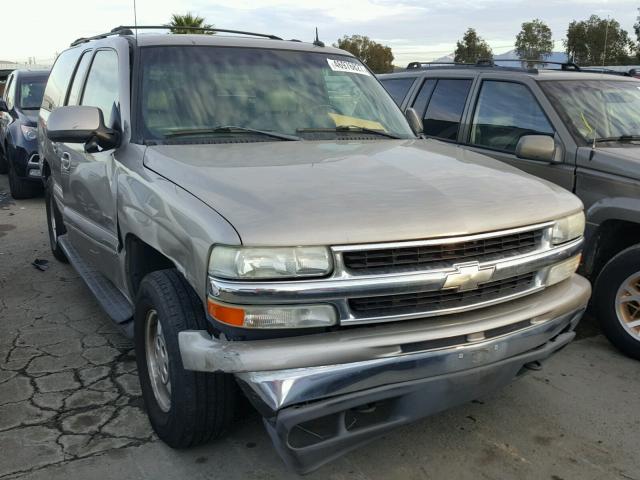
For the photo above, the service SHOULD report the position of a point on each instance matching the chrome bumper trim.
(201, 352)
(338, 290)
(34, 161)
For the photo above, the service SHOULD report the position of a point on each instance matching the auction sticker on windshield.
(346, 66)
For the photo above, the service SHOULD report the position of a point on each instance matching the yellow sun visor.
(345, 120)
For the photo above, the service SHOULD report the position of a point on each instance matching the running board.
(114, 303)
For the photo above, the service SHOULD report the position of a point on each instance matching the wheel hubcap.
(157, 361)
(628, 305)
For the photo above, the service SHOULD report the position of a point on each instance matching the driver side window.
(505, 112)
(101, 88)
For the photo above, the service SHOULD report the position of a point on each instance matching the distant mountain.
(446, 59)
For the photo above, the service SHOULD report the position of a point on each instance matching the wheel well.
(142, 259)
(46, 169)
(612, 237)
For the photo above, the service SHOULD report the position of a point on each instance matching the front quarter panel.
(171, 220)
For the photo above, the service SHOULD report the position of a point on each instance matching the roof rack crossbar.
(128, 30)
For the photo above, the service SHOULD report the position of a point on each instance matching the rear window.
(443, 115)
(398, 87)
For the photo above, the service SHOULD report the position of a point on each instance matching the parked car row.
(19, 108)
(577, 129)
(261, 217)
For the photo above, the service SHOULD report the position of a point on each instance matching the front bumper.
(407, 370)
(26, 163)
(309, 435)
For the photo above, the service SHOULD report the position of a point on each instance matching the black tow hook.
(535, 366)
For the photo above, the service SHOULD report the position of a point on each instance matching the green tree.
(598, 41)
(472, 48)
(534, 40)
(188, 20)
(376, 56)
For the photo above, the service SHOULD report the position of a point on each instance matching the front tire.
(617, 301)
(55, 224)
(185, 408)
(4, 168)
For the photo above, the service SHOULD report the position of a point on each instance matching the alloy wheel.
(628, 305)
(157, 361)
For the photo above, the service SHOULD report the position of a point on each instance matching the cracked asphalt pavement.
(70, 405)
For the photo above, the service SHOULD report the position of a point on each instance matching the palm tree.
(188, 20)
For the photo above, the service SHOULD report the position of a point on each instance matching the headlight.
(563, 270)
(568, 228)
(29, 133)
(269, 263)
(272, 316)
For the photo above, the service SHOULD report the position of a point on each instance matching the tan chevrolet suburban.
(259, 216)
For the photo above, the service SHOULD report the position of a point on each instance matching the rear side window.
(76, 85)
(443, 115)
(59, 79)
(101, 89)
(423, 97)
(505, 112)
(397, 87)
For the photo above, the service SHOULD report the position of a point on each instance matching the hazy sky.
(415, 30)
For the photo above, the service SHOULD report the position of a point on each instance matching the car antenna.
(317, 41)
(135, 20)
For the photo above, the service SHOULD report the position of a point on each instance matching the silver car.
(258, 213)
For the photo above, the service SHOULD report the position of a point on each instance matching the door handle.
(65, 161)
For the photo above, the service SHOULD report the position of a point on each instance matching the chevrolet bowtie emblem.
(468, 276)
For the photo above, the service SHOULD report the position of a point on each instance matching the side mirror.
(3, 106)
(414, 121)
(536, 147)
(81, 124)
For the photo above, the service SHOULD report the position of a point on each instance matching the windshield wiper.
(349, 128)
(192, 132)
(621, 138)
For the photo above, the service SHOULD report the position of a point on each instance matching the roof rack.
(129, 29)
(416, 65)
(563, 65)
(481, 63)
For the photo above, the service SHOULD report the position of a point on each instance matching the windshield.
(31, 93)
(191, 91)
(597, 108)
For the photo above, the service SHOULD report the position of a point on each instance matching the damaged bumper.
(322, 395)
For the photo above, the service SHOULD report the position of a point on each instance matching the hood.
(29, 117)
(330, 193)
(623, 159)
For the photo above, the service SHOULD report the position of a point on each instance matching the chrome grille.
(440, 299)
(421, 256)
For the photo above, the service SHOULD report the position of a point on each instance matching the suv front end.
(401, 330)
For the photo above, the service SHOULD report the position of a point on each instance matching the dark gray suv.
(578, 129)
